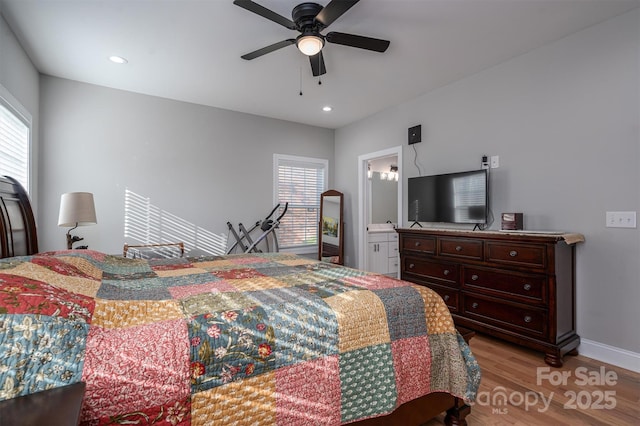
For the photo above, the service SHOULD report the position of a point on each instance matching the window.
(15, 131)
(299, 181)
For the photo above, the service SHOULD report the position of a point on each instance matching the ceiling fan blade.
(268, 49)
(375, 44)
(265, 13)
(334, 10)
(317, 64)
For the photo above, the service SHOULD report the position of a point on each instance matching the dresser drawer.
(445, 273)
(461, 248)
(449, 295)
(421, 244)
(517, 254)
(516, 317)
(505, 284)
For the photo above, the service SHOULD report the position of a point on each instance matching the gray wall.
(564, 120)
(198, 167)
(21, 79)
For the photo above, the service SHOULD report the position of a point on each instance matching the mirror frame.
(339, 253)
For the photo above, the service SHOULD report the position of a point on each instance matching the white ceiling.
(190, 50)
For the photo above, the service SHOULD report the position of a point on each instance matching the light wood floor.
(583, 398)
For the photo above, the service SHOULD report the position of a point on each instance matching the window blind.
(299, 182)
(14, 144)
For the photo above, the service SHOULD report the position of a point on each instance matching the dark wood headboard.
(18, 235)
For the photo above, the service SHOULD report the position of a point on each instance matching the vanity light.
(369, 172)
(118, 59)
(393, 174)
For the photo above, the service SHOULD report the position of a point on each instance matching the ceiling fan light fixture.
(310, 44)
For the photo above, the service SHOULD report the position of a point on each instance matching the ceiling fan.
(310, 19)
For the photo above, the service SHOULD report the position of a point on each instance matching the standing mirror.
(330, 229)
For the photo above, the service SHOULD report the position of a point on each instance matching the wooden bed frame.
(18, 237)
(423, 409)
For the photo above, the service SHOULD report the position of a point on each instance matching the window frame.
(323, 164)
(14, 106)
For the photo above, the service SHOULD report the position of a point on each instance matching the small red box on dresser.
(512, 221)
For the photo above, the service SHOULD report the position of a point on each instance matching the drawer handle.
(446, 297)
(474, 277)
(458, 248)
(527, 286)
(417, 243)
(513, 253)
(527, 319)
(446, 272)
(411, 266)
(474, 305)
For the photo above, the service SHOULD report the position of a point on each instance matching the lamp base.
(72, 239)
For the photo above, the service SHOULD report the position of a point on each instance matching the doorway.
(365, 162)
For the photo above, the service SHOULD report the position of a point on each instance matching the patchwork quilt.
(215, 340)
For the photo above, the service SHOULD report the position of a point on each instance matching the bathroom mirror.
(330, 229)
(382, 188)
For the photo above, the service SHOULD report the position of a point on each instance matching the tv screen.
(452, 198)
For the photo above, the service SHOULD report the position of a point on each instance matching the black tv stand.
(415, 222)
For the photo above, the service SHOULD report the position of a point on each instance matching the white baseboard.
(610, 354)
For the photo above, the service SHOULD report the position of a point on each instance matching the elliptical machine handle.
(267, 222)
(286, 206)
(272, 212)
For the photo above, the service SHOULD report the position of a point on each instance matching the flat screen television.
(452, 198)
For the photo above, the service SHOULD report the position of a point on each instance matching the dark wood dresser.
(515, 286)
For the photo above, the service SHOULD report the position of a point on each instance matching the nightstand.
(54, 407)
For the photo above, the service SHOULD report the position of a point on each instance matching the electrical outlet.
(621, 219)
(495, 161)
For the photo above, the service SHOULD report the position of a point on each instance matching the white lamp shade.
(76, 209)
(310, 45)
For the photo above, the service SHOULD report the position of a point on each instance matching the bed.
(261, 338)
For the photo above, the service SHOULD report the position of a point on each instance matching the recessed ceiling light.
(118, 59)
(326, 108)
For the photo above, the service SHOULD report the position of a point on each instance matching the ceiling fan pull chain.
(300, 81)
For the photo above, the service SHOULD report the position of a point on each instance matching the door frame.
(363, 197)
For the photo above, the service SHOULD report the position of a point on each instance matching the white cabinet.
(382, 253)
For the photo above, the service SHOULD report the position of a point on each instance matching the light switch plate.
(495, 161)
(621, 220)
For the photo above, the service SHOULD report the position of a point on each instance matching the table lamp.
(76, 209)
